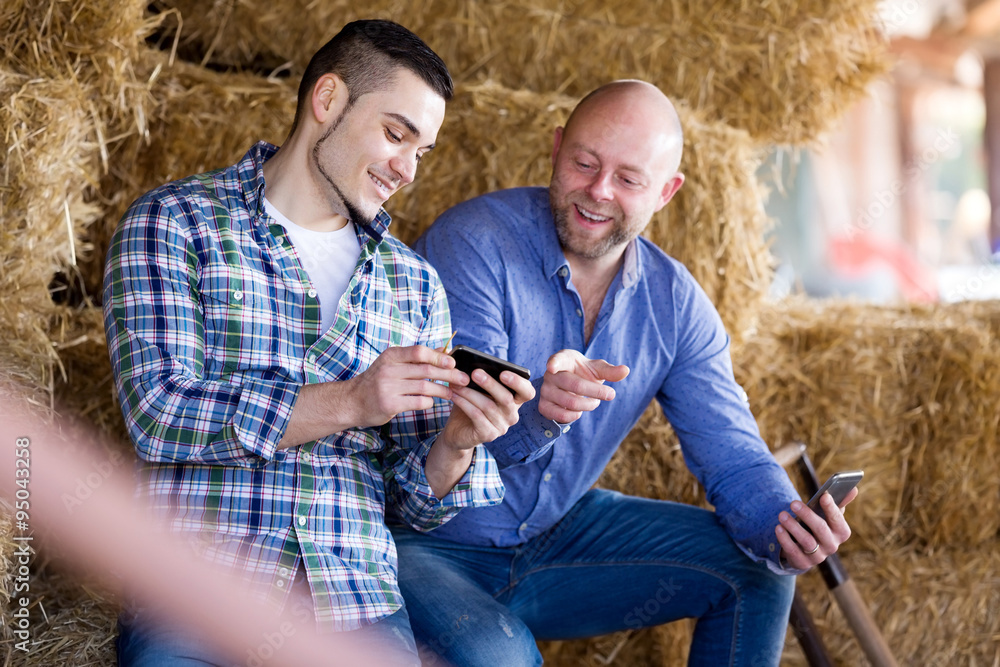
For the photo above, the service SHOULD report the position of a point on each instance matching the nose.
(600, 187)
(405, 166)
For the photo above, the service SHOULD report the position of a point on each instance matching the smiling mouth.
(382, 186)
(590, 217)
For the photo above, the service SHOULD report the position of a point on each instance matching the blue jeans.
(143, 642)
(614, 562)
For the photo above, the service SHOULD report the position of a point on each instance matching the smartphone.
(838, 485)
(467, 360)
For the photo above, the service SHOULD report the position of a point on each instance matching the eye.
(392, 136)
(584, 165)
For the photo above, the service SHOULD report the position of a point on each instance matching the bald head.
(613, 166)
(640, 105)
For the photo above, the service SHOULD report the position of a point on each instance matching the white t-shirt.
(329, 258)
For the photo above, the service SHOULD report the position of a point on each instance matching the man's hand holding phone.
(574, 384)
(818, 528)
(482, 412)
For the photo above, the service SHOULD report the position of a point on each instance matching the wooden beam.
(991, 94)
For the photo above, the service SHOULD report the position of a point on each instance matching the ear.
(670, 189)
(557, 141)
(329, 96)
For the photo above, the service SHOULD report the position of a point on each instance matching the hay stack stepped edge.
(138, 117)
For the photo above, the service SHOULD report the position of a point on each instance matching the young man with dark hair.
(558, 279)
(276, 355)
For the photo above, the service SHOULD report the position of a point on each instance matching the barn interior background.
(831, 149)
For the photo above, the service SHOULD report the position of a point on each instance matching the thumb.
(605, 371)
(564, 360)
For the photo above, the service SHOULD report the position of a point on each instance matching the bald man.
(559, 280)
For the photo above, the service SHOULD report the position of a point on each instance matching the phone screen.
(838, 485)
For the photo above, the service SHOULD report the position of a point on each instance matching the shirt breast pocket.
(379, 330)
(241, 328)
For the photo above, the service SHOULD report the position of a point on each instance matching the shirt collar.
(251, 174)
(632, 267)
(553, 257)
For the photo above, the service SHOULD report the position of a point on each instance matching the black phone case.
(468, 359)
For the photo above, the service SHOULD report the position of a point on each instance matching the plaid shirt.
(213, 327)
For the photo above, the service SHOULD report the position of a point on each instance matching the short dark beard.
(561, 218)
(354, 214)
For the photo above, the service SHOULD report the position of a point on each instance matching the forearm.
(321, 410)
(445, 466)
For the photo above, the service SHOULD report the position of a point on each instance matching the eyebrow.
(408, 124)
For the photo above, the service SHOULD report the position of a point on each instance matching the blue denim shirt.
(511, 294)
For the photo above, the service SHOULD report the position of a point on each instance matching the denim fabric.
(142, 642)
(614, 562)
(511, 293)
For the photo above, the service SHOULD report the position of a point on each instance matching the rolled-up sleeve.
(155, 330)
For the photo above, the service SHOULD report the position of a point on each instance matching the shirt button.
(548, 433)
(238, 295)
(281, 583)
(579, 313)
(312, 358)
(280, 240)
(311, 293)
(563, 271)
(302, 521)
(547, 477)
(283, 572)
(523, 527)
(771, 546)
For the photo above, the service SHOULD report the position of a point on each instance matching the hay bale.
(188, 114)
(495, 138)
(785, 72)
(660, 646)
(6, 561)
(936, 607)
(72, 622)
(51, 158)
(718, 236)
(85, 387)
(907, 393)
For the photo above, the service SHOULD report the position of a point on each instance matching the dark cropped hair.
(365, 54)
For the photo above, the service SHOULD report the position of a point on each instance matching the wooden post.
(991, 94)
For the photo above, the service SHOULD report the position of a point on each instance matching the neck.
(592, 277)
(291, 186)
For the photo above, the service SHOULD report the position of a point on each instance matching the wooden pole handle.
(860, 619)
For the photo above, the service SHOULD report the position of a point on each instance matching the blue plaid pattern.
(213, 327)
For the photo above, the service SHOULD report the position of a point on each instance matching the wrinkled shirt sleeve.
(475, 283)
(155, 330)
(711, 416)
(409, 437)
